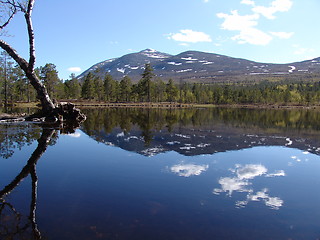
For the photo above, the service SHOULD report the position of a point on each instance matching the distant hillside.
(196, 66)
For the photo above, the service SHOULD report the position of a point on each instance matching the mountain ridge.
(196, 66)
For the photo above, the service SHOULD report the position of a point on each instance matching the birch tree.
(10, 8)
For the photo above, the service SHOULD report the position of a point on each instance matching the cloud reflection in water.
(188, 170)
(242, 182)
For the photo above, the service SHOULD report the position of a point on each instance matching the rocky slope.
(194, 66)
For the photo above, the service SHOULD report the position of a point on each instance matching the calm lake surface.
(165, 174)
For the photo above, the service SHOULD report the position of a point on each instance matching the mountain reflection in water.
(203, 131)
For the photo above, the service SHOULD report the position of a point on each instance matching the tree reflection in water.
(197, 131)
(12, 224)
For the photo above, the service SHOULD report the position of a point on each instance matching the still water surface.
(164, 174)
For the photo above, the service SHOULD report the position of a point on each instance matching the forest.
(15, 87)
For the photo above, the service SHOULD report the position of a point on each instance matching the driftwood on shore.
(62, 113)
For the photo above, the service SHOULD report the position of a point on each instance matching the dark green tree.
(125, 89)
(49, 76)
(88, 89)
(21, 85)
(172, 91)
(110, 88)
(145, 83)
(160, 90)
(99, 90)
(6, 75)
(73, 87)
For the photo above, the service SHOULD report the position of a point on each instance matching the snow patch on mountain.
(190, 59)
(174, 63)
(292, 69)
(122, 70)
(207, 66)
(134, 68)
(206, 63)
(151, 53)
(184, 70)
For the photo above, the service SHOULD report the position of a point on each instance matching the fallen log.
(62, 113)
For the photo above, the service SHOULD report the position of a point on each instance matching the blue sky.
(76, 34)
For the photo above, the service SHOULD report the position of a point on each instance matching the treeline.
(15, 87)
(154, 89)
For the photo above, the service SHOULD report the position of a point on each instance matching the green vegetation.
(15, 87)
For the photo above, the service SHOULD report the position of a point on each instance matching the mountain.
(197, 66)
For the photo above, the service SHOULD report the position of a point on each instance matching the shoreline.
(170, 105)
(194, 105)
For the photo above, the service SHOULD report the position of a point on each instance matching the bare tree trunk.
(27, 67)
(49, 110)
(42, 94)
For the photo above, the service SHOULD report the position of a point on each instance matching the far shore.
(89, 104)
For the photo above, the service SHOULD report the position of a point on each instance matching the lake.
(126, 173)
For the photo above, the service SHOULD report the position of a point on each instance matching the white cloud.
(253, 36)
(243, 182)
(188, 170)
(246, 25)
(279, 173)
(250, 171)
(229, 185)
(206, 1)
(184, 44)
(276, 6)
(236, 22)
(75, 135)
(283, 35)
(304, 52)
(74, 69)
(190, 36)
(248, 2)
(272, 202)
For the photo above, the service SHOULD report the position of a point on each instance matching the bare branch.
(12, 11)
(13, 6)
(32, 52)
(21, 6)
(20, 60)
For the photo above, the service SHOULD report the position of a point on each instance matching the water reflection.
(13, 228)
(14, 136)
(110, 193)
(202, 131)
(14, 225)
(188, 170)
(242, 181)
